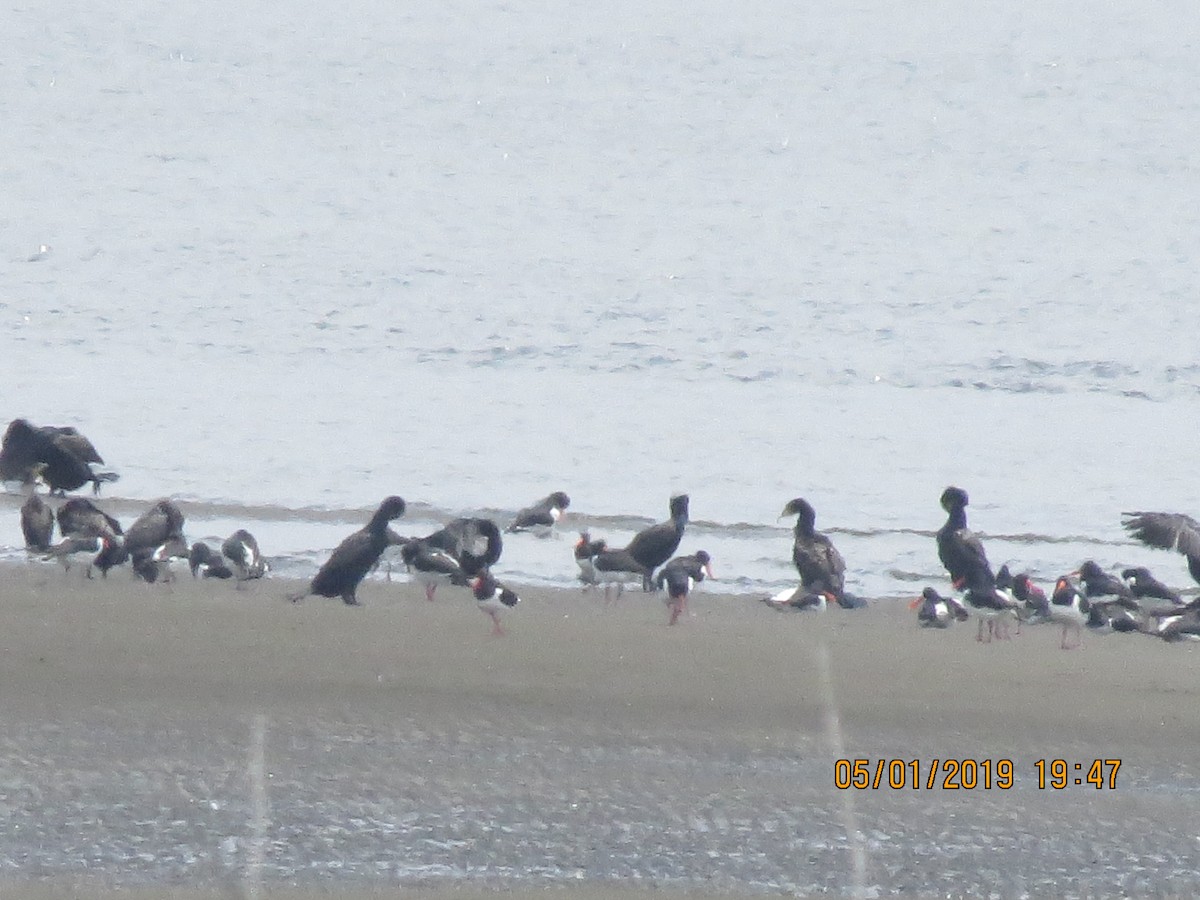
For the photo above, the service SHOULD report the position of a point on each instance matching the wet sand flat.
(214, 742)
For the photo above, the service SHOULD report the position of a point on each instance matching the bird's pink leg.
(496, 627)
(429, 590)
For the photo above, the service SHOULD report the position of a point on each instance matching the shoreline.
(404, 706)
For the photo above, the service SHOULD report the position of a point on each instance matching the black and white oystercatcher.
(493, 598)
(585, 554)
(679, 576)
(241, 549)
(620, 568)
(542, 516)
(431, 566)
(205, 562)
(1143, 584)
(95, 551)
(1069, 608)
(353, 558)
(653, 546)
(936, 611)
(475, 542)
(1100, 586)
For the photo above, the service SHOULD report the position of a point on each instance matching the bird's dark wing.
(1170, 531)
(818, 562)
(653, 546)
(348, 564)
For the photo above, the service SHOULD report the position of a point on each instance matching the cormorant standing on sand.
(354, 557)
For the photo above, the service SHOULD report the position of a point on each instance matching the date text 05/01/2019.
(970, 774)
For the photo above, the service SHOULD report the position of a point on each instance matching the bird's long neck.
(958, 518)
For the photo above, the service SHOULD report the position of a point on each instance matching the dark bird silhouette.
(354, 556)
(679, 576)
(159, 564)
(60, 456)
(1099, 585)
(820, 566)
(961, 552)
(81, 516)
(960, 549)
(1143, 584)
(432, 566)
(1168, 531)
(476, 543)
(1183, 626)
(543, 515)
(936, 611)
(1034, 604)
(653, 546)
(205, 562)
(37, 523)
(493, 598)
(155, 539)
(241, 549)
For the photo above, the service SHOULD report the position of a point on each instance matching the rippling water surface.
(474, 255)
(282, 261)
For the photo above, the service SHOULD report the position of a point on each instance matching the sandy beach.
(192, 740)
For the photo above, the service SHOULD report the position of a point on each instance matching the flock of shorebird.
(463, 552)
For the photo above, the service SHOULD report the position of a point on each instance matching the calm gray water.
(301, 256)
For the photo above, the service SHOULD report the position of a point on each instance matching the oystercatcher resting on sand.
(207, 563)
(936, 611)
(241, 549)
(1100, 586)
(1143, 584)
(354, 556)
(542, 516)
(819, 564)
(653, 546)
(493, 598)
(679, 576)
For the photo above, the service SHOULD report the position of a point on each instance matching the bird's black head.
(560, 499)
(392, 508)
(954, 498)
(800, 507)
(679, 506)
(1090, 570)
(931, 595)
(703, 558)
